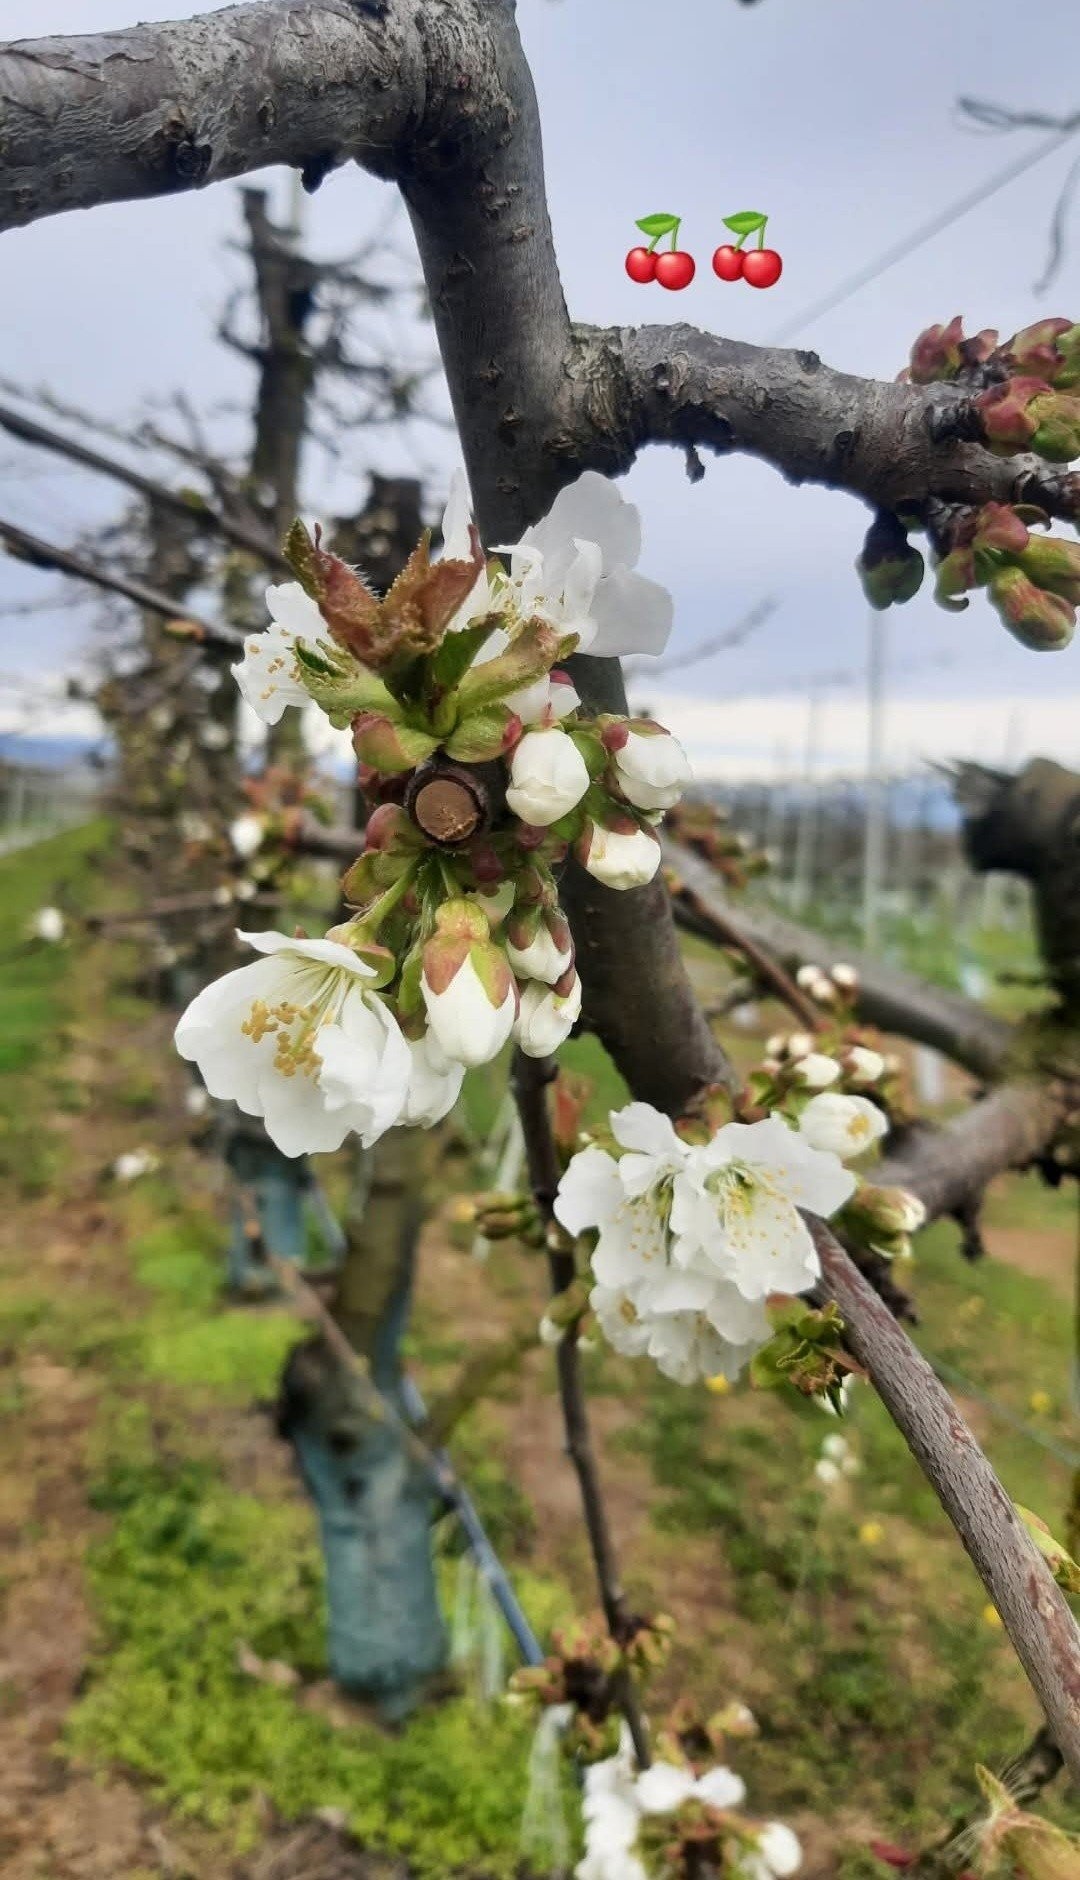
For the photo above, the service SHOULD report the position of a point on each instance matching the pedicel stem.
(746, 222)
(657, 226)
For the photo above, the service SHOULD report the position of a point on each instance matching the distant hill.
(47, 753)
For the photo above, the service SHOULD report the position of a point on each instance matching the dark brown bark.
(531, 1079)
(1030, 825)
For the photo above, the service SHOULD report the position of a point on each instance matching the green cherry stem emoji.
(760, 266)
(673, 269)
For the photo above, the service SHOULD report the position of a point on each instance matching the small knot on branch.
(448, 803)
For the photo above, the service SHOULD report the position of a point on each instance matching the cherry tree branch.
(440, 100)
(702, 916)
(887, 997)
(186, 623)
(196, 508)
(894, 445)
(531, 1078)
(1035, 1613)
(951, 1166)
(157, 109)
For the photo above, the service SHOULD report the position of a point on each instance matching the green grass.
(33, 1001)
(875, 1675)
(189, 1570)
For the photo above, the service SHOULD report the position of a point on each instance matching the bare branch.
(715, 924)
(157, 109)
(531, 1078)
(947, 1167)
(186, 623)
(894, 445)
(888, 997)
(1035, 1613)
(196, 509)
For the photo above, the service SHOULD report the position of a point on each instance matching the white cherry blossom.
(545, 1020)
(434, 1082)
(298, 1038)
(652, 769)
(620, 859)
(467, 1027)
(843, 1126)
(548, 777)
(575, 568)
(268, 675)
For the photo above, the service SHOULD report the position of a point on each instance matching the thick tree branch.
(40, 554)
(951, 1166)
(1035, 1613)
(161, 108)
(888, 997)
(886, 442)
(204, 514)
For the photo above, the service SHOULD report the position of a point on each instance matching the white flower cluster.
(837, 1460)
(617, 1801)
(133, 1163)
(456, 946)
(693, 1238)
(47, 924)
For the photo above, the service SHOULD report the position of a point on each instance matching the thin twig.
(203, 514)
(173, 904)
(531, 1078)
(1033, 1610)
(180, 618)
(709, 921)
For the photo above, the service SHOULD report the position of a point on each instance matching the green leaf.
(458, 650)
(656, 225)
(745, 222)
(1061, 1563)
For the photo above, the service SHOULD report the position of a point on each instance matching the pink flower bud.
(936, 353)
(387, 747)
(1042, 621)
(625, 857)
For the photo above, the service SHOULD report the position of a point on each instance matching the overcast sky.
(835, 117)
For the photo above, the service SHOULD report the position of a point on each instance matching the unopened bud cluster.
(586, 1670)
(1022, 394)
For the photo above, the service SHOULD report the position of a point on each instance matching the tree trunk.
(375, 1505)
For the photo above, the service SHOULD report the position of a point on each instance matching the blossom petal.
(592, 509)
(325, 952)
(631, 614)
(640, 1126)
(663, 1788)
(590, 1191)
(209, 1035)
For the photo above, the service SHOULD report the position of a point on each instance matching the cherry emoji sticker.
(760, 266)
(674, 268)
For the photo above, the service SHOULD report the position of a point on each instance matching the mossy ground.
(153, 1528)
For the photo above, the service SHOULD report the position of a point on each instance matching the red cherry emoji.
(676, 268)
(762, 267)
(728, 262)
(641, 264)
